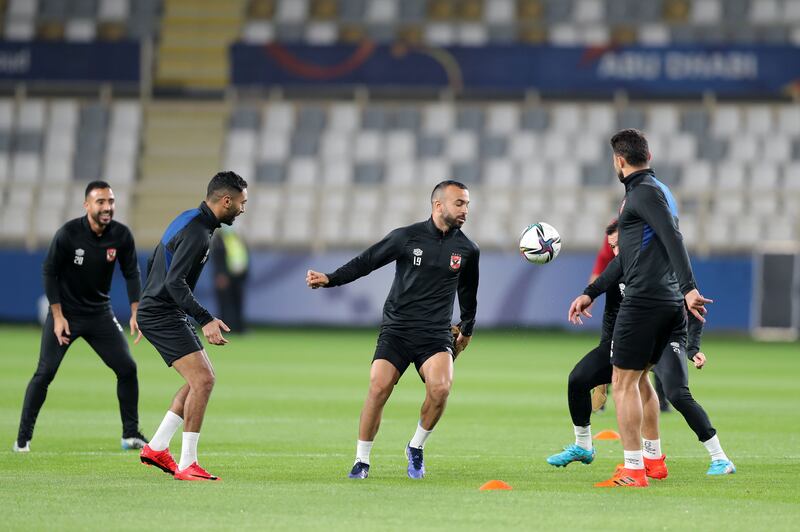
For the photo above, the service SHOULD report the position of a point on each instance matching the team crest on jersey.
(417, 258)
(111, 254)
(79, 253)
(455, 262)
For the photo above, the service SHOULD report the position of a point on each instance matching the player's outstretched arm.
(316, 280)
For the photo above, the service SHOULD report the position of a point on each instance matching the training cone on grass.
(606, 435)
(495, 485)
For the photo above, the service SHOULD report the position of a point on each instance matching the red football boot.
(194, 472)
(161, 459)
(625, 478)
(656, 468)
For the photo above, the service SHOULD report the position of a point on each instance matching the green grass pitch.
(281, 431)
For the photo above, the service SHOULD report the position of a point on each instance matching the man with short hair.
(77, 279)
(658, 282)
(433, 260)
(595, 369)
(168, 303)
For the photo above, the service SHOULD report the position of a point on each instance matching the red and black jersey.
(604, 256)
(430, 267)
(79, 266)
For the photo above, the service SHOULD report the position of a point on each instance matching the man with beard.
(77, 278)
(167, 305)
(659, 288)
(433, 259)
(595, 369)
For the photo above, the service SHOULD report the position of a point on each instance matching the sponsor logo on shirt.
(79, 253)
(455, 262)
(111, 254)
(205, 257)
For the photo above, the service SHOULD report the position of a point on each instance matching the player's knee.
(439, 391)
(126, 372)
(43, 377)
(380, 389)
(679, 395)
(576, 380)
(204, 383)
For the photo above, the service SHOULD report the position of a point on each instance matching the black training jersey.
(430, 266)
(654, 261)
(610, 283)
(80, 264)
(176, 264)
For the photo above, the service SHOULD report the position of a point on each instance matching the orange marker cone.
(606, 435)
(495, 485)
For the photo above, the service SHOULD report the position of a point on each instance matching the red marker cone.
(495, 485)
(606, 435)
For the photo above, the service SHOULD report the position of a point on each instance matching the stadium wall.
(512, 293)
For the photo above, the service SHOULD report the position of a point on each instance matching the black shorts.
(172, 335)
(401, 351)
(642, 331)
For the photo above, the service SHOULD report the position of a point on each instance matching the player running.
(433, 259)
(595, 369)
(658, 282)
(77, 279)
(167, 304)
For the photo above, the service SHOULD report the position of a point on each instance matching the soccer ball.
(540, 243)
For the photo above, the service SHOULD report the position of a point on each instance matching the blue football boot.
(721, 467)
(360, 470)
(416, 464)
(571, 453)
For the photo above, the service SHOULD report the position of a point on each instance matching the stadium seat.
(273, 146)
(461, 146)
(401, 173)
(438, 118)
(493, 147)
(302, 172)
(337, 173)
(368, 146)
